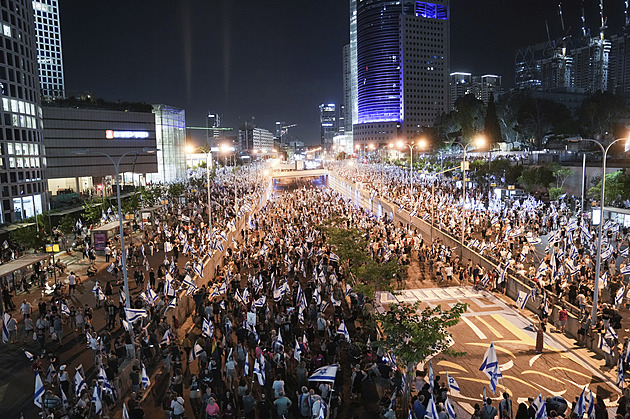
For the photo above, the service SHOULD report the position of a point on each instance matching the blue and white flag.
(452, 384)
(207, 329)
(246, 367)
(107, 386)
(146, 382)
(259, 371)
(541, 408)
(166, 339)
(625, 270)
(39, 391)
(603, 345)
(624, 252)
(172, 304)
(259, 303)
(449, 409)
(620, 375)
(542, 269)
(169, 290)
(279, 338)
(334, 257)
(79, 384)
(297, 351)
(619, 295)
(604, 279)
(134, 314)
(197, 350)
(325, 374)
(348, 290)
(432, 412)
(590, 413)
(580, 405)
(151, 295)
(343, 330)
(490, 367)
(607, 252)
(97, 401)
(198, 268)
(168, 247)
(122, 297)
(610, 333)
(521, 301)
(125, 413)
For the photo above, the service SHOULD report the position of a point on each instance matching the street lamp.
(411, 145)
(123, 255)
(479, 141)
(601, 222)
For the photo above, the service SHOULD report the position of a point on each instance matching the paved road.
(561, 370)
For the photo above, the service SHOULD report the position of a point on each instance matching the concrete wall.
(573, 184)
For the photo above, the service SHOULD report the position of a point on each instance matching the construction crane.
(284, 130)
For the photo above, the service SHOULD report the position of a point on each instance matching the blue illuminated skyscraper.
(402, 67)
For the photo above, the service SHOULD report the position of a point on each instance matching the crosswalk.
(429, 295)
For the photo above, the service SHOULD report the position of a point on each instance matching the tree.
(28, 237)
(491, 126)
(66, 224)
(469, 115)
(536, 178)
(352, 249)
(561, 174)
(176, 189)
(617, 188)
(414, 335)
(600, 112)
(91, 213)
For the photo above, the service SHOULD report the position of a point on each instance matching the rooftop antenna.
(547, 26)
(583, 21)
(561, 17)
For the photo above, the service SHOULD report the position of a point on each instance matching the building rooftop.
(88, 102)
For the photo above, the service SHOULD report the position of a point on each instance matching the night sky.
(272, 60)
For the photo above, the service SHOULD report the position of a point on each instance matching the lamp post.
(477, 142)
(123, 256)
(601, 222)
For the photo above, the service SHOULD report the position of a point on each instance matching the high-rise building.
(402, 67)
(327, 124)
(22, 156)
(49, 52)
(590, 64)
(170, 139)
(460, 85)
(352, 102)
(489, 85)
(619, 64)
(349, 94)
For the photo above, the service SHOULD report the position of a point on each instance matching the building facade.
(76, 137)
(460, 85)
(402, 67)
(327, 124)
(252, 138)
(170, 139)
(22, 155)
(49, 50)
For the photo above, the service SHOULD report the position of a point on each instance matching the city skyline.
(272, 63)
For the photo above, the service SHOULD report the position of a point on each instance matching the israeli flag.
(580, 405)
(545, 305)
(259, 372)
(198, 268)
(343, 330)
(590, 413)
(325, 374)
(625, 270)
(96, 400)
(146, 382)
(610, 333)
(521, 301)
(134, 314)
(541, 408)
(125, 413)
(191, 289)
(452, 384)
(607, 253)
(197, 350)
(207, 329)
(246, 367)
(432, 412)
(296, 351)
(348, 290)
(168, 286)
(79, 384)
(490, 367)
(151, 295)
(624, 252)
(619, 296)
(542, 269)
(5, 330)
(166, 339)
(111, 267)
(122, 297)
(259, 303)
(172, 304)
(450, 410)
(603, 345)
(39, 391)
(106, 384)
(168, 247)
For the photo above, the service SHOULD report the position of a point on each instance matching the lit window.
(11, 162)
(9, 148)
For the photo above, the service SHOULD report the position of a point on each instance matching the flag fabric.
(625, 270)
(168, 247)
(580, 405)
(122, 297)
(449, 409)
(603, 345)
(452, 384)
(432, 411)
(521, 301)
(107, 386)
(619, 296)
(166, 339)
(64, 400)
(343, 330)
(590, 413)
(146, 382)
(325, 374)
(39, 391)
(197, 350)
(125, 414)
(29, 355)
(541, 409)
(172, 304)
(246, 367)
(79, 384)
(624, 252)
(134, 314)
(490, 367)
(610, 333)
(207, 329)
(169, 290)
(431, 379)
(259, 372)
(96, 399)
(620, 375)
